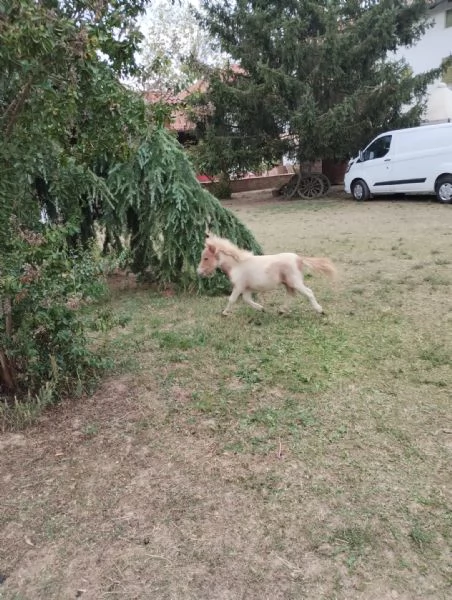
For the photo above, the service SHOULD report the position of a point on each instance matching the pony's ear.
(211, 248)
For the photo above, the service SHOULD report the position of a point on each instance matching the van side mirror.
(361, 156)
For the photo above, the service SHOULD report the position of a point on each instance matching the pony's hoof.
(225, 314)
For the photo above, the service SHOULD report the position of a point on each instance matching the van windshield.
(379, 148)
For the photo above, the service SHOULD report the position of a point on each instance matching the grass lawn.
(257, 456)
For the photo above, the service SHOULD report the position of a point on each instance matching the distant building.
(179, 121)
(435, 45)
(428, 53)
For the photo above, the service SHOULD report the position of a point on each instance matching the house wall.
(434, 46)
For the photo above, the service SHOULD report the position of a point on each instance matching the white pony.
(250, 273)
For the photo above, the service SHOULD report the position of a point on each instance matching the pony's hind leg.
(303, 289)
(284, 309)
(249, 300)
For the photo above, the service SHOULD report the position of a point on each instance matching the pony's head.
(222, 253)
(210, 258)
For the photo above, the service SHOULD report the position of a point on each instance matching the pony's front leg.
(232, 300)
(249, 300)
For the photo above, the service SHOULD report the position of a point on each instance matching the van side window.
(379, 148)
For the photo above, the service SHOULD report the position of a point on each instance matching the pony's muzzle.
(203, 273)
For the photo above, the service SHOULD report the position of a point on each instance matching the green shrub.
(43, 342)
(221, 189)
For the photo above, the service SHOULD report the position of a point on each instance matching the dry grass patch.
(257, 456)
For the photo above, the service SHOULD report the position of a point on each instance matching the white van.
(409, 161)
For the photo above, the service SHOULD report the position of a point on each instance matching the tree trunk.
(7, 372)
(7, 375)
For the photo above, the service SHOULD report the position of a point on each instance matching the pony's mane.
(227, 247)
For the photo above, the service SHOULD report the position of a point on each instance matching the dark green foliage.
(169, 212)
(69, 129)
(221, 189)
(240, 134)
(42, 336)
(64, 117)
(315, 78)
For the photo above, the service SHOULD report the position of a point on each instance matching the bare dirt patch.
(256, 456)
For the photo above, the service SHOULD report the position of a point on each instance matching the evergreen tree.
(168, 213)
(315, 78)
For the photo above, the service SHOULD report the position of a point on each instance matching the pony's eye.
(206, 258)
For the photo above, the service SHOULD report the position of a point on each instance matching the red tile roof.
(179, 118)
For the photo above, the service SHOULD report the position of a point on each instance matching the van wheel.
(443, 189)
(360, 191)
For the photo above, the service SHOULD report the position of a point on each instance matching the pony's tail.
(321, 265)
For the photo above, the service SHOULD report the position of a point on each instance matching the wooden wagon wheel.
(311, 186)
(326, 183)
(290, 189)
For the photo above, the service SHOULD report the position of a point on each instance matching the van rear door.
(420, 151)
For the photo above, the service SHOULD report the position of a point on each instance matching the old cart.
(305, 184)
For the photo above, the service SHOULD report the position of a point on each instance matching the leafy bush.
(221, 189)
(71, 134)
(43, 283)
